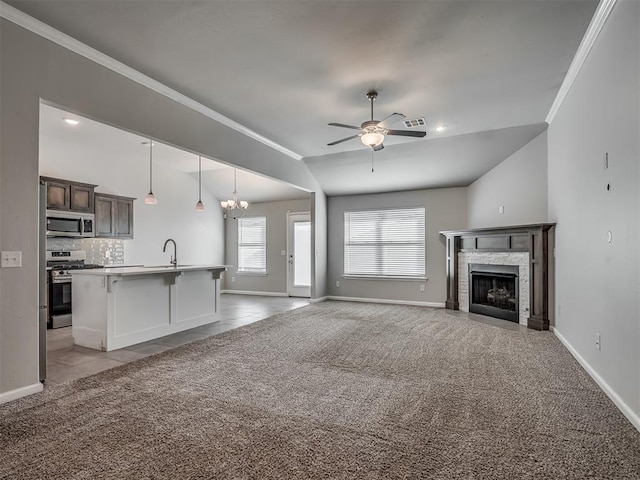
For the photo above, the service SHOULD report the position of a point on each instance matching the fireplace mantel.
(533, 239)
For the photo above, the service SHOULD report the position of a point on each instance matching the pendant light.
(150, 199)
(199, 205)
(235, 207)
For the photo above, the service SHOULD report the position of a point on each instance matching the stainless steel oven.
(59, 299)
(60, 264)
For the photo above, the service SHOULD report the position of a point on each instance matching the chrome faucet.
(174, 258)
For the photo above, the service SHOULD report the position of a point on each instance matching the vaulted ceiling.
(488, 70)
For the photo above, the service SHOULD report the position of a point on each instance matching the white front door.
(299, 254)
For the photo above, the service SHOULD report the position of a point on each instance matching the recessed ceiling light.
(441, 128)
(71, 121)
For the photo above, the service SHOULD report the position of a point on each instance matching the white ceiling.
(287, 68)
(58, 139)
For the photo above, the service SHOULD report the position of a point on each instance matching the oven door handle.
(60, 280)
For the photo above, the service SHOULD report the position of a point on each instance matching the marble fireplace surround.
(519, 259)
(527, 246)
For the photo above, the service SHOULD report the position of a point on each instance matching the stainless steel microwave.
(70, 224)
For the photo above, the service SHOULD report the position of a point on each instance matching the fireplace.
(493, 290)
(528, 247)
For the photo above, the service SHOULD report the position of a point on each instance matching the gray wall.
(597, 282)
(276, 279)
(519, 184)
(446, 209)
(33, 68)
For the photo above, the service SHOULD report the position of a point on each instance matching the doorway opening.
(299, 254)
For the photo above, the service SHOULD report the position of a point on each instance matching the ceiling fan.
(372, 132)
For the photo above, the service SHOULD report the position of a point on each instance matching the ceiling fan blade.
(344, 126)
(343, 140)
(391, 119)
(377, 148)
(406, 133)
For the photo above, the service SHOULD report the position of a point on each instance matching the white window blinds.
(252, 245)
(385, 243)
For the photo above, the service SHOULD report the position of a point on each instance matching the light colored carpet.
(331, 391)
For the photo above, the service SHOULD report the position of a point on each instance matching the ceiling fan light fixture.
(372, 139)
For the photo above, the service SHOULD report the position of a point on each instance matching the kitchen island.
(117, 307)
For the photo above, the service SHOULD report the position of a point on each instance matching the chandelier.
(236, 208)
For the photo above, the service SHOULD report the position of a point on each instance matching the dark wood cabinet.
(69, 195)
(114, 216)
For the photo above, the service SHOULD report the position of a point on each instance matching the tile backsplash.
(103, 251)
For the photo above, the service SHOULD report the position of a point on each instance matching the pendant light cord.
(199, 178)
(150, 166)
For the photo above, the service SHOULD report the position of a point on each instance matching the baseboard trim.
(261, 294)
(606, 388)
(20, 392)
(384, 300)
(318, 300)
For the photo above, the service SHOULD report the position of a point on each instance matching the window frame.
(256, 272)
(369, 276)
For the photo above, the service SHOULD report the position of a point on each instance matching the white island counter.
(117, 307)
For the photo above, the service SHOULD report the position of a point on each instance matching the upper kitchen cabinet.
(114, 216)
(69, 195)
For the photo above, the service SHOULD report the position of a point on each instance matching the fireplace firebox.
(493, 290)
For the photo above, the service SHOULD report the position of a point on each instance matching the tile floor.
(66, 361)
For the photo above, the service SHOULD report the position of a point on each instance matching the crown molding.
(42, 29)
(593, 30)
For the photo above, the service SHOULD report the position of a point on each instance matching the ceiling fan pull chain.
(372, 160)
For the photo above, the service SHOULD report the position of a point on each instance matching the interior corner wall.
(445, 209)
(597, 280)
(518, 185)
(276, 279)
(319, 222)
(33, 68)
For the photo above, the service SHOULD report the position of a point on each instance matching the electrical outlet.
(283, 253)
(598, 344)
(233, 279)
(337, 283)
(10, 259)
(501, 210)
(423, 287)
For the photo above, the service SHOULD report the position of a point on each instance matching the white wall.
(445, 209)
(597, 283)
(199, 235)
(519, 184)
(276, 279)
(33, 68)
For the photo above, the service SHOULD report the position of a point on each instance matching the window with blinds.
(385, 243)
(252, 245)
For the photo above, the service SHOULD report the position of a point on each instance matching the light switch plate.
(10, 259)
(283, 253)
(501, 210)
